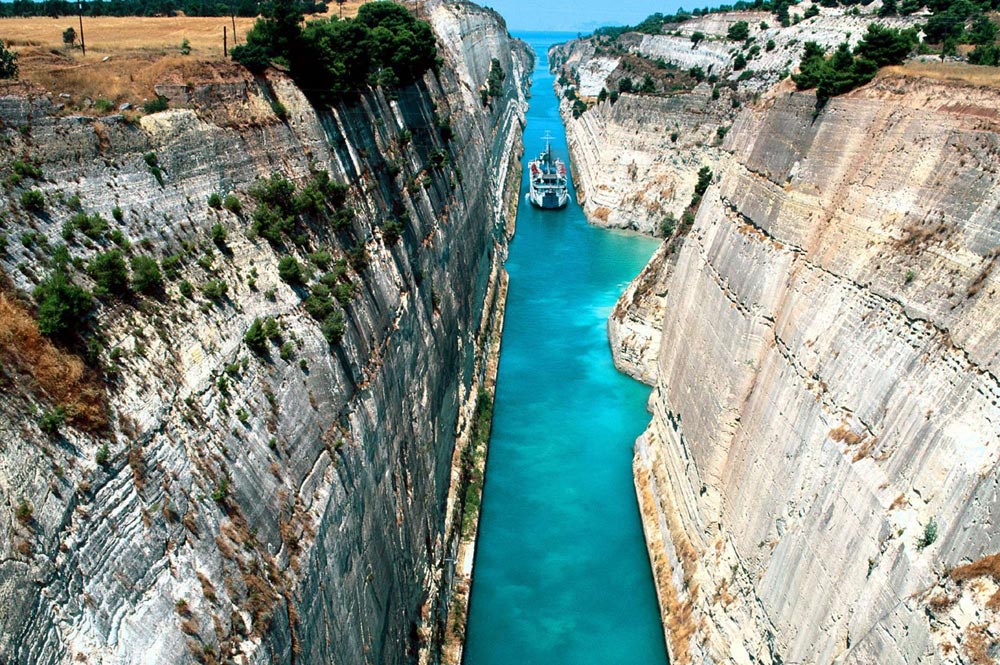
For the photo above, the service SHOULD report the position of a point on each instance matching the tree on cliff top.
(8, 62)
(844, 70)
(332, 58)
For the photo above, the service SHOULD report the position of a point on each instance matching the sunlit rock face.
(821, 465)
(277, 509)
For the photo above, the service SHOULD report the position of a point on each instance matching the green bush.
(51, 421)
(117, 213)
(92, 226)
(155, 105)
(28, 169)
(668, 225)
(271, 328)
(33, 200)
(103, 455)
(146, 275)
(232, 204)
(333, 327)
(186, 289)
(8, 62)
(929, 536)
(62, 305)
(289, 270)
(215, 201)
(109, 272)
(255, 338)
(214, 289)
(738, 31)
(218, 234)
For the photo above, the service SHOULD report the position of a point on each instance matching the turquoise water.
(561, 573)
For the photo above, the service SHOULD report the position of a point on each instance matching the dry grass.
(843, 434)
(127, 77)
(126, 56)
(56, 375)
(978, 644)
(954, 72)
(110, 35)
(988, 566)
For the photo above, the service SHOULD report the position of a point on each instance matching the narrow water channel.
(561, 572)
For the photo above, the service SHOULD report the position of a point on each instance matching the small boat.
(547, 177)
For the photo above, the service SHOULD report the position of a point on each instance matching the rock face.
(820, 480)
(635, 161)
(296, 507)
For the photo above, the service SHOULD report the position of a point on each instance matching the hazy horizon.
(577, 15)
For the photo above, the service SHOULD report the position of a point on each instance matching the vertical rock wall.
(827, 388)
(292, 508)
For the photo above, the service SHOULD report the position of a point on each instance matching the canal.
(561, 573)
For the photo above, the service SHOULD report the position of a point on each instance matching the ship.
(547, 177)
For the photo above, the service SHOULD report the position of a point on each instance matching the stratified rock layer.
(299, 507)
(827, 387)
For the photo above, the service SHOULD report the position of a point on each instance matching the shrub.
(668, 225)
(28, 169)
(186, 289)
(232, 204)
(62, 305)
(185, 47)
(117, 213)
(155, 105)
(392, 230)
(218, 234)
(697, 37)
(24, 512)
(110, 273)
(8, 62)
(271, 328)
(704, 180)
(103, 455)
(255, 338)
(929, 536)
(214, 289)
(289, 270)
(738, 31)
(33, 200)
(51, 421)
(214, 201)
(287, 351)
(739, 62)
(333, 327)
(102, 105)
(146, 275)
(221, 491)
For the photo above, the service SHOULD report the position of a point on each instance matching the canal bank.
(561, 569)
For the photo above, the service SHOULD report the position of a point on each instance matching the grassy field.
(107, 35)
(126, 56)
(949, 71)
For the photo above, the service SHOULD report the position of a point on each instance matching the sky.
(580, 15)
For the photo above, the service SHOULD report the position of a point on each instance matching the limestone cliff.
(819, 482)
(635, 160)
(299, 506)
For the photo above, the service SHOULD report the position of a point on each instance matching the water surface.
(561, 571)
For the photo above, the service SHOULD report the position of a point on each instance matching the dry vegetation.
(126, 56)
(53, 374)
(953, 72)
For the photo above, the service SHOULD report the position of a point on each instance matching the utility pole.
(83, 44)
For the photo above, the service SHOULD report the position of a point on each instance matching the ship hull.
(548, 200)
